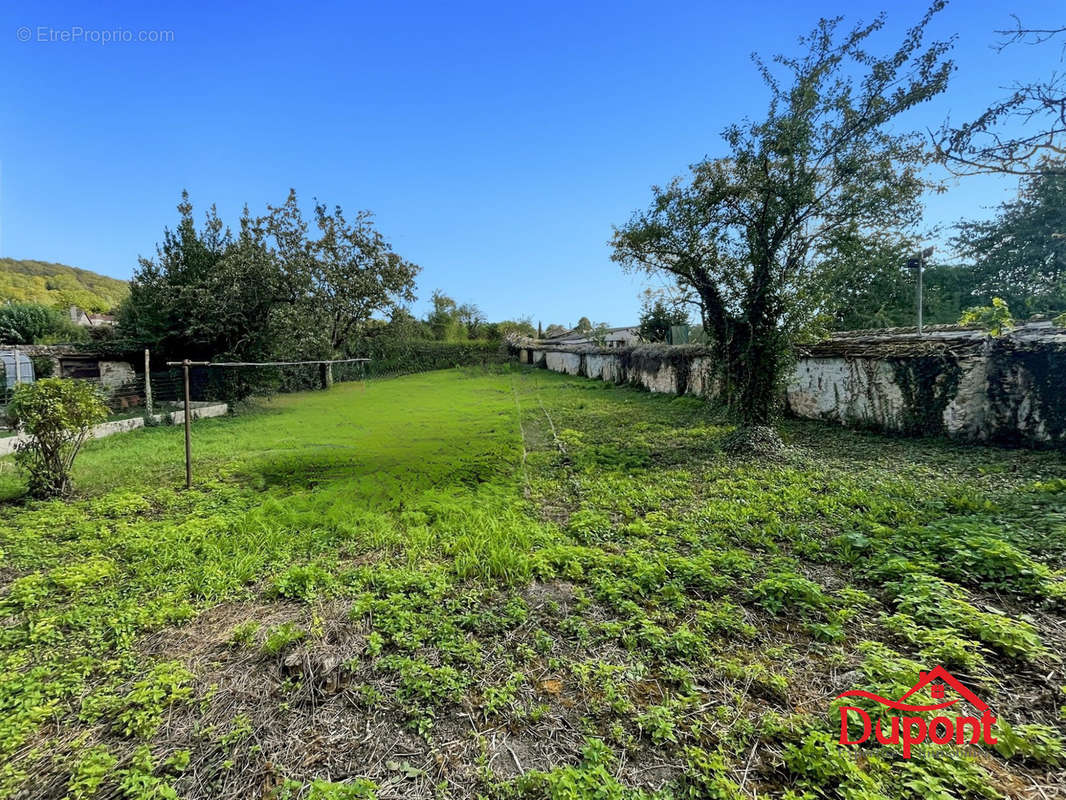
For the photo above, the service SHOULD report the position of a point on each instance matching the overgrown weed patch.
(510, 583)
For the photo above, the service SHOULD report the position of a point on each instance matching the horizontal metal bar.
(259, 363)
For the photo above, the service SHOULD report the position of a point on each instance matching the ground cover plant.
(510, 583)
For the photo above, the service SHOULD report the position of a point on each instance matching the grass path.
(518, 584)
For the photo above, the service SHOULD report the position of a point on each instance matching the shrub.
(996, 319)
(398, 357)
(787, 590)
(303, 583)
(33, 323)
(58, 414)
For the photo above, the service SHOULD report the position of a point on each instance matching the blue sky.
(497, 143)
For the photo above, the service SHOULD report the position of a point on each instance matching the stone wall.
(950, 381)
(114, 374)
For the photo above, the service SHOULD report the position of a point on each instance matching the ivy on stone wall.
(928, 383)
(1037, 376)
(650, 359)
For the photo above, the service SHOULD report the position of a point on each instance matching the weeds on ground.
(460, 560)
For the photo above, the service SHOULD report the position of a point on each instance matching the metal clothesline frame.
(186, 363)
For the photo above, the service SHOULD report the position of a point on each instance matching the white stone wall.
(559, 361)
(968, 415)
(850, 391)
(701, 381)
(115, 373)
(858, 391)
(604, 368)
(663, 380)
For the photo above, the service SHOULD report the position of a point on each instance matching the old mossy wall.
(955, 382)
(927, 384)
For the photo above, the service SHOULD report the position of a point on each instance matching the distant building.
(613, 337)
(87, 320)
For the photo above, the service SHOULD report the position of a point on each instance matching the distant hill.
(59, 285)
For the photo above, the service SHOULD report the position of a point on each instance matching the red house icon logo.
(912, 730)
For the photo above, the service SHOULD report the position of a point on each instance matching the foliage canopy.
(33, 323)
(820, 173)
(59, 286)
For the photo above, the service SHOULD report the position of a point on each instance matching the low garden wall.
(199, 411)
(951, 381)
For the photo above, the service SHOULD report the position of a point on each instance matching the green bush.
(400, 357)
(43, 366)
(995, 319)
(33, 323)
(58, 414)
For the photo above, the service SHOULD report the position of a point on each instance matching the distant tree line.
(450, 321)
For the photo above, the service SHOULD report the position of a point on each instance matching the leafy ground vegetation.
(515, 584)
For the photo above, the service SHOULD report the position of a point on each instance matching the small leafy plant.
(58, 414)
(995, 319)
(281, 636)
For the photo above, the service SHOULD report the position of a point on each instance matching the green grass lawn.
(514, 584)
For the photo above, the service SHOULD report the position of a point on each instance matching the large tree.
(342, 276)
(1020, 254)
(270, 291)
(824, 168)
(444, 320)
(355, 273)
(207, 293)
(870, 286)
(473, 319)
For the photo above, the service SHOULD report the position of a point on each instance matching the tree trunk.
(763, 351)
(750, 355)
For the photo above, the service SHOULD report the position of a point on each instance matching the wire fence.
(230, 371)
(128, 390)
(228, 381)
(131, 390)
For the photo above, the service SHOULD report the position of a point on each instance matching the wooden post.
(18, 365)
(188, 424)
(147, 383)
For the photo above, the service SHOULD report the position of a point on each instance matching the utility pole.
(918, 264)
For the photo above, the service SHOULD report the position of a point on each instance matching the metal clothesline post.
(188, 429)
(186, 363)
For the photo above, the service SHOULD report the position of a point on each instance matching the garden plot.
(521, 584)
